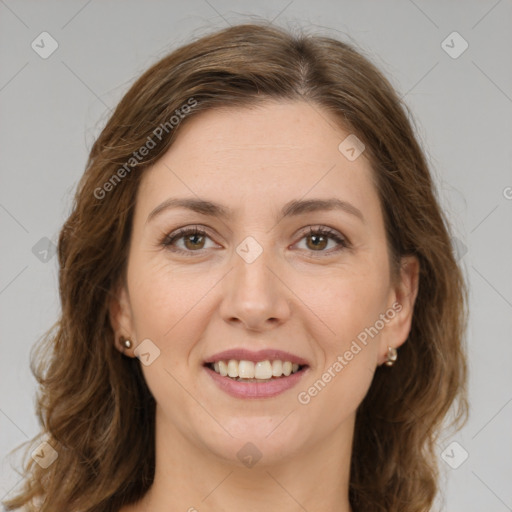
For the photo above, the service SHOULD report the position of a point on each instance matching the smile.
(249, 371)
(256, 378)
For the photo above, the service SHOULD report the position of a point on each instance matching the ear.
(121, 319)
(403, 297)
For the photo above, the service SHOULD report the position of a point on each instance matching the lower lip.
(255, 389)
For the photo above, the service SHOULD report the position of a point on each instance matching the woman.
(260, 305)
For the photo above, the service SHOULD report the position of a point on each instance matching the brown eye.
(193, 240)
(317, 240)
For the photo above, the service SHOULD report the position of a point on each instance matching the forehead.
(272, 153)
(269, 128)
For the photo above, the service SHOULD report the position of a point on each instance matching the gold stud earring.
(392, 356)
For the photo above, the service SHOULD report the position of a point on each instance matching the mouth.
(264, 374)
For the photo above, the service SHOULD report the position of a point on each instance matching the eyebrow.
(292, 208)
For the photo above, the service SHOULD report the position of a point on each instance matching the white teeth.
(223, 368)
(277, 368)
(246, 370)
(233, 368)
(261, 370)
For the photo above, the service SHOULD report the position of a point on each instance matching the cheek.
(168, 304)
(350, 303)
(350, 308)
(153, 297)
(333, 395)
(342, 393)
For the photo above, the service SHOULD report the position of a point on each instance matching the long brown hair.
(93, 403)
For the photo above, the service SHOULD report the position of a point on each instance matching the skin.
(306, 300)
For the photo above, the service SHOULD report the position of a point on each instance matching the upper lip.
(242, 354)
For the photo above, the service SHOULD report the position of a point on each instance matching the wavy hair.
(89, 393)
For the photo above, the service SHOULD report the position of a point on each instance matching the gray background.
(53, 108)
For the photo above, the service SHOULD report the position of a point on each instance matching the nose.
(254, 297)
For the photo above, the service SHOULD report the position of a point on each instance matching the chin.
(262, 441)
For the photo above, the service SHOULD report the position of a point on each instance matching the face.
(272, 278)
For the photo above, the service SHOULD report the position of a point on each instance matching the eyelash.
(169, 239)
